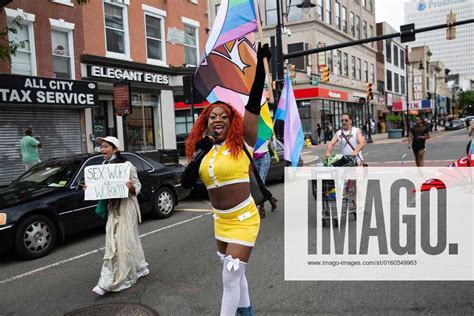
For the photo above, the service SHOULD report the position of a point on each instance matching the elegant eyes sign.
(106, 181)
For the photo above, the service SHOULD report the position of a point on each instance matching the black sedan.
(46, 204)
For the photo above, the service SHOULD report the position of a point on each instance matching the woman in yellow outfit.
(215, 148)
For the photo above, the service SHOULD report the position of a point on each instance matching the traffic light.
(325, 74)
(368, 91)
(451, 30)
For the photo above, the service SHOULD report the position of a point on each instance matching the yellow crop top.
(219, 168)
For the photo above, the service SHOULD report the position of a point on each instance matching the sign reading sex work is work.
(106, 181)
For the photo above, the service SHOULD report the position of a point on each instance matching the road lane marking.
(199, 210)
(95, 251)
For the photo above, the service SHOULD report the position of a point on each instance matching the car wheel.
(164, 203)
(35, 237)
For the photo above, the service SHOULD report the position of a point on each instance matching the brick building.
(148, 44)
(31, 95)
(152, 44)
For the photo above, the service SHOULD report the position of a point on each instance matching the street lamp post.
(407, 64)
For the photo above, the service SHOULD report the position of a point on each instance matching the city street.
(185, 277)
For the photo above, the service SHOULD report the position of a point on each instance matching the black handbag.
(258, 189)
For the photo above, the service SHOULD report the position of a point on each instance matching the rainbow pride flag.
(265, 132)
(331, 194)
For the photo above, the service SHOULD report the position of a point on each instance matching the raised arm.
(252, 109)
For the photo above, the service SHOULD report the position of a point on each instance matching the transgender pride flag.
(287, 111)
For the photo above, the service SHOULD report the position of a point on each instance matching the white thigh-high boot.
(232, 273)
(244, 286)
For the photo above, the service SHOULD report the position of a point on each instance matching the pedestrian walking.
(124, 260)
(29, 149)
(318, 132)
(417, 138)
(330, 130)
(351, 140)
(263, 161)
(215, 148)
(470, 145)
(326, 131)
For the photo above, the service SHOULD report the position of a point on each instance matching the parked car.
(277, 169)
(454, 125)
(46, 203)
(181, 144)
(467, 120)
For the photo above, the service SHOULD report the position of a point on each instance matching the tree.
(8, 48)
(465, 102)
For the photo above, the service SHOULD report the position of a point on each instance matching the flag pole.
(265, 60)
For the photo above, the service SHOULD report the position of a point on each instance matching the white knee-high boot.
(231, 275)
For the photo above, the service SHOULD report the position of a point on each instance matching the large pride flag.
(287, 111)
(227, 70)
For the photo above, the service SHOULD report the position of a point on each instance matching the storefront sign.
(124, 74)
(122, 99)
(321, 93)
(26, 90)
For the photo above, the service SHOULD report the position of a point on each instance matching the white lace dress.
(124, 257)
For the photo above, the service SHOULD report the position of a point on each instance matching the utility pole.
(435, 104)
(407, 64)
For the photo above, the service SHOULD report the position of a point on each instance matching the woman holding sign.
(124, 261)
(215, 148)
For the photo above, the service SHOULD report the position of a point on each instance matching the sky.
(390, 11)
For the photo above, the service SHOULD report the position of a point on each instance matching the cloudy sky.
(390, 11)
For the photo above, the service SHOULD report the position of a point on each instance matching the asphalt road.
(185, 276)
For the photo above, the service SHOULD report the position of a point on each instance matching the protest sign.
(106, 181)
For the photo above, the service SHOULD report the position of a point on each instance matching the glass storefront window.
(99, 116)
(304, 109)
(141, 123)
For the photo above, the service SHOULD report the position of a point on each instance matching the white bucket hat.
(109, 139)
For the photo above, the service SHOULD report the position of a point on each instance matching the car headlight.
(3, 218)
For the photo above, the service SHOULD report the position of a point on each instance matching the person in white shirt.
(350, 140)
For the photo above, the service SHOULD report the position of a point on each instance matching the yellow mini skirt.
(238, 225)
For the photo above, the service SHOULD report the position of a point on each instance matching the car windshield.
(49, 174)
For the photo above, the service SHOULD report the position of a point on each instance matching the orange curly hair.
(234, 139)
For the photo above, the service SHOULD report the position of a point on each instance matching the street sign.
(314, 80)
(408, 33)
